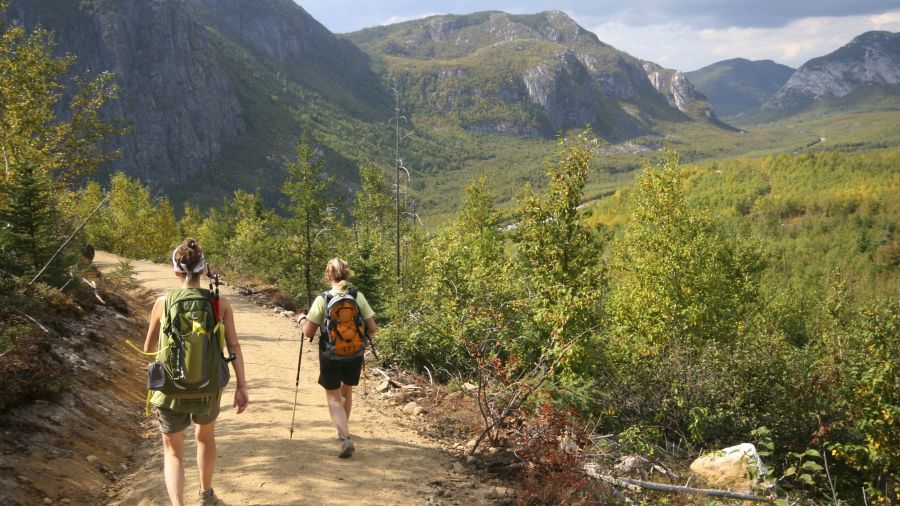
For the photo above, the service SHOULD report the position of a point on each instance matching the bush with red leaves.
(551, 445)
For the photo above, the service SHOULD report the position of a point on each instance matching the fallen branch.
(67, 241)
(630, 484)
(519, 398)
(93, 285)
(45, 329)
(387, 376)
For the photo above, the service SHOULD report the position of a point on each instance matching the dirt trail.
(257, 463)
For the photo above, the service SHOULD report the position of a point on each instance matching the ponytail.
(338, 272)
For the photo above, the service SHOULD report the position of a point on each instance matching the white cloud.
(682, 47)
(888, 20)
(400, 19)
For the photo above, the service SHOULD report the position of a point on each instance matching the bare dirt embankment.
(259, 464)
(72, 446)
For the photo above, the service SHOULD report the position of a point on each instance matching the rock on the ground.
(632, 464)
(731, 467)
(92, 459)
(410, 407)
(500, 494)
(418, 410)
(459, 468)
(47, 500)
(289, 314)
(383, 387)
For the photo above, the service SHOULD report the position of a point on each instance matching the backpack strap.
(361, 325)
(323, 329)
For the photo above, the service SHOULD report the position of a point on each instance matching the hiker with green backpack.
(347, 324)
(190, 329)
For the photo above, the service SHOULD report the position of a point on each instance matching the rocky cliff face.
(679, 92)
(179, 103)
(283, 32)
(871, 59)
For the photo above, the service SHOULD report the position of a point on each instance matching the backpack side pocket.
(156, 376)
(224, 374)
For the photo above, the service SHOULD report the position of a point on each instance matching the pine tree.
(29, 222)
(373, 255)
(306, 189)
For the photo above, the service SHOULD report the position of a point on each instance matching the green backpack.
(190, 362)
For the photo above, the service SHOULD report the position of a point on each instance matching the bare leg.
(347, 394)
(206, 453)
(336, 410)
(173, 466)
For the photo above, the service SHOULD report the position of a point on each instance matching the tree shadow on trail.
(306, 469)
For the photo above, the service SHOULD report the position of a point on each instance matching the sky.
(680, 34)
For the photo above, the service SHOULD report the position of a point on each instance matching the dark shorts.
(171, 422)
(334, 372)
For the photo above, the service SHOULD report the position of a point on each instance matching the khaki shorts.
(171, 422)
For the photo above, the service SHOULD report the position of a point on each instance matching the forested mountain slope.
(739, 85)
(527, 75)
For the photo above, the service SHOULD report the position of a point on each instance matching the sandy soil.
(257, 462)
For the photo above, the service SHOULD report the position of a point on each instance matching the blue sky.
(680, 34)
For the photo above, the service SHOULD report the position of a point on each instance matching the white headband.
(182, 268)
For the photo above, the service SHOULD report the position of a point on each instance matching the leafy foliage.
(133, 223)
(31, 130)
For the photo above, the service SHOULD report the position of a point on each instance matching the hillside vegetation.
(706, 303)
(752, 299)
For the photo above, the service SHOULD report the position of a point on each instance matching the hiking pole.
(297, 382)
(214, 291)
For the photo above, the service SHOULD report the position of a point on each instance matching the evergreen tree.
(29, 222)
(306, 189)
(372, 259)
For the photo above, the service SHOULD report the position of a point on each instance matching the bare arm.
(241, 397)
(152, 339)
(309, 329)
(371, 327)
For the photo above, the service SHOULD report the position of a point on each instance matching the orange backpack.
(343, 332)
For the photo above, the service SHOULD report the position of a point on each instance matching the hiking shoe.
(207, 498)
(347, 448)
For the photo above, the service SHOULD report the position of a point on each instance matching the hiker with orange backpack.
(189, 330)
(347, 324)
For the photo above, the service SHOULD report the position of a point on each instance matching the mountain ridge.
(870, 59)
(219, 91)
(555, 75)
(739, 85)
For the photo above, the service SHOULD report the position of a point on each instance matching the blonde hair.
(338, 272)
